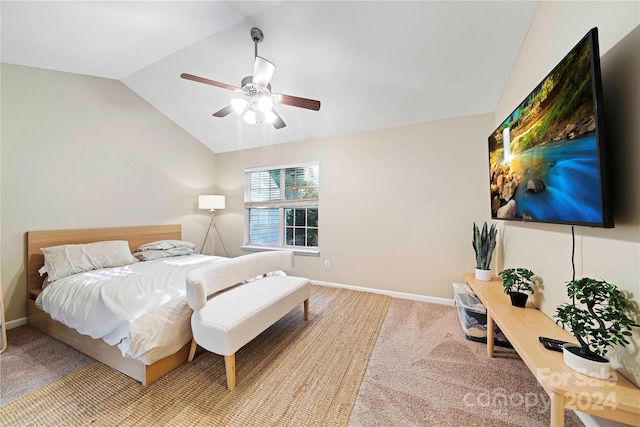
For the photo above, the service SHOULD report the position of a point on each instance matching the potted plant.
(598, 320)
(484, 242)
(517, 282)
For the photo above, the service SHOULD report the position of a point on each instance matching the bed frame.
(96, 348)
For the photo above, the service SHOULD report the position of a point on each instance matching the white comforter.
(141, 308)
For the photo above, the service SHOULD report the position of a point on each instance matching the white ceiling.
(372, 64)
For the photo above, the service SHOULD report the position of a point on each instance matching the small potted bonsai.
(598, 320)
(484, 242)
(517, 282)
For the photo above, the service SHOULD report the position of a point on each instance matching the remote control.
(552, 344)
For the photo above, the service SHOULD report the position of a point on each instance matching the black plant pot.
(518, 299)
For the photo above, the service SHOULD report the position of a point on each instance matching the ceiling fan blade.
(262, 72)
(223, 112)
(207, 81)
(294, 101)
(278, 123)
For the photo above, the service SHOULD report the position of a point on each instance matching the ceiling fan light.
(269, 116)
(264, 103)
(250, 117)
(238, 104)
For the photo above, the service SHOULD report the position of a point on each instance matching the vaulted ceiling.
(372, 64)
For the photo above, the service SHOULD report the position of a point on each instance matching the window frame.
(280, 204)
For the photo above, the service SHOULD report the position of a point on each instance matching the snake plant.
(484, 242)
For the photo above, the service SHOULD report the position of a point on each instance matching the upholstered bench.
(234, 300)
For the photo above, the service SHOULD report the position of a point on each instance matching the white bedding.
(141, 308)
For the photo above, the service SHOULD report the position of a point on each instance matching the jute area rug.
(296, 373)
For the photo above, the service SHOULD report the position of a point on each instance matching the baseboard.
(15, 323)
(393, 294)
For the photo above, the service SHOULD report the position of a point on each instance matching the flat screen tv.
(547, 159)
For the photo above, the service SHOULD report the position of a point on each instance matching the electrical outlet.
(327, 263)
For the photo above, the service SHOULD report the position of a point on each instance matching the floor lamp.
(212, 203)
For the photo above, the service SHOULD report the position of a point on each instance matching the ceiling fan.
(253, 100)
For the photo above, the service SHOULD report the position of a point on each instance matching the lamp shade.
(210, 202)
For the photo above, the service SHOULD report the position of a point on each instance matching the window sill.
(303, 252)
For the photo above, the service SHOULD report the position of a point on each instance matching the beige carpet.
(34, 359)
(423, 372)
(296, 373)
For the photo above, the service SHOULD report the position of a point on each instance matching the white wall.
(610, 254)
(80, 151)
(396, 205)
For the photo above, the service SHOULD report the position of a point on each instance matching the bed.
(145, 366)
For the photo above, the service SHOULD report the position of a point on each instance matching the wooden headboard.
(136, 236)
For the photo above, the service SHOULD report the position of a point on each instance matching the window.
(281, 205)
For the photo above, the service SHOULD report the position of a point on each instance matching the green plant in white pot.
(517, 282)
(598, 320)
(484, 242)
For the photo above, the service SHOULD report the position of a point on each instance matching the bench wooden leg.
(306, 309)
(192, 350)
(230, 367)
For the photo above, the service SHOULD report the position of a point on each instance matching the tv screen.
(547, 159)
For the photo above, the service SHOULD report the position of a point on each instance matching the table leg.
(557, 410)
(489, 334)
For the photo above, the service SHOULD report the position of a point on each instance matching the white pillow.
(65, 260)
(162, 245)
(150, 255)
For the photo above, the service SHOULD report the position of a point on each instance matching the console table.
(615, 398)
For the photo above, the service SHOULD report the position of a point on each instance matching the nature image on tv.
(544, 163)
